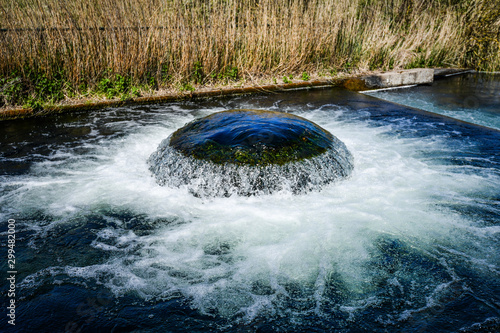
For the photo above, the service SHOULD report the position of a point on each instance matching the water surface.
(472, 97)
(408, 243)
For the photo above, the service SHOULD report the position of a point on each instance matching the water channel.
(408, 242)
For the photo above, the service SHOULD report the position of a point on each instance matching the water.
(473, 97)
(250, 152)
(408, 243)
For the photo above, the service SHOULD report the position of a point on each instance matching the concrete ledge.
(441, 73)
(391, 79)
(355, 83)
(230, 91)
(400, 78)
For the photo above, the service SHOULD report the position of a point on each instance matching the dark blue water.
(408, 243)
(252, 133)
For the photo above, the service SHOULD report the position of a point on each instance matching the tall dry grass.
(164, 43)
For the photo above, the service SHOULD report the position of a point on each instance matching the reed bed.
(56, 49)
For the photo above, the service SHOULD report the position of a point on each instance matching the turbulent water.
(249, 152)
(408, 243)
(207, 179)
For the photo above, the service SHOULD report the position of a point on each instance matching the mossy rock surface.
(251, 137)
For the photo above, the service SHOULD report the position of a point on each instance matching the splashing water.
(248, 152)
(408, 241)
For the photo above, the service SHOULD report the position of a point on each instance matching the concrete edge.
(28, 112)
(355, 83)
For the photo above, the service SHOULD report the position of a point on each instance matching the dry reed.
(184, 43)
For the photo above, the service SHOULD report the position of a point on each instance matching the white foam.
(225, 248)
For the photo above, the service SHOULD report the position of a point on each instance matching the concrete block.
(399, 78)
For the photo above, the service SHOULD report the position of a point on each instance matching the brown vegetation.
(52, 49)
